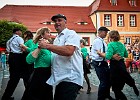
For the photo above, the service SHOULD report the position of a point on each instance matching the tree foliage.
(6, 29)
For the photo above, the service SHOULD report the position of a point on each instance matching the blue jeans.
(103, 74)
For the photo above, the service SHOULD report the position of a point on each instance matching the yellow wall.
(122, 37)
(126, 30)
(126, 27)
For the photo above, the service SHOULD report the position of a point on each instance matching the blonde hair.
(39, 33)
(114, 35)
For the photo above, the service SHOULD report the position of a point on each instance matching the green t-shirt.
(43, 59)
(116, 48)
(31, 45)
(84, 52)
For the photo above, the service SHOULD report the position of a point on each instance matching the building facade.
(121, 15)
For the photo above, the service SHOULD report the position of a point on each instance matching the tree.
(6, 29)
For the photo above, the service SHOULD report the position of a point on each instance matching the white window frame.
(113, 2)
(120, 20)
(128, 40)
(132, 2)
(132, 20)
(107, 20)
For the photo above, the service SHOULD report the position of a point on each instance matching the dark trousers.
(103, 73)
(66, 91)
(38, 89)
(16, 71)
(120, 76)
(30, 67)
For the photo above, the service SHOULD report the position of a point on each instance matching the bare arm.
(35, 53)
(115, 56)
(100, 54)
(23, 47)
(67, 50)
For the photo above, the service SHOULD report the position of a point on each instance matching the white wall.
(91, 35)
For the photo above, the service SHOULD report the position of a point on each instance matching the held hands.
(43, 43)
(100, 53)
(117, 57)
(23, 47)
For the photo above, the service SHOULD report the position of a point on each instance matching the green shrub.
(6, 29)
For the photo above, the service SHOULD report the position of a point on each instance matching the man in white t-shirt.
(67, 64)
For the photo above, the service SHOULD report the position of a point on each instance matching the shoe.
(110, 98)
(88, 90)
(136, 90)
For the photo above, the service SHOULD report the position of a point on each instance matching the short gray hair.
(83, 41)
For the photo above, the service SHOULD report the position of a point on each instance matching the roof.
(122, 6)
(33, 16)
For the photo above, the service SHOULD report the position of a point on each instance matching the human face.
(81, 44)
(103, 34)
(19, 33)
(60, 24)
(24, 35)
(46, 35)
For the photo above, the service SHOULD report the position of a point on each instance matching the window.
(132, 2)
(47, 23)
(128, 40)
(132, 20)
(120, 20)
(113, 2)
(87, 40)
(82, 23)
(107, 20)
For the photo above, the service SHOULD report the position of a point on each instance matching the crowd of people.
(133, 59)
(64, 63)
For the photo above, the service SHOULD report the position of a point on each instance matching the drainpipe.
(96, 24)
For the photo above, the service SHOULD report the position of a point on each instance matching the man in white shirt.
(67, 64)
(16, 68)
(100, 65)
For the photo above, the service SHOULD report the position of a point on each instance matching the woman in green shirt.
(38, 89)
(118, 73)
(85, 66)
(29, 45)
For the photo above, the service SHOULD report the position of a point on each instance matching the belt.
(99, 61)
(15, 53)
(116, 60)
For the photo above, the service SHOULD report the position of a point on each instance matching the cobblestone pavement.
(94, 81)
(127, 90)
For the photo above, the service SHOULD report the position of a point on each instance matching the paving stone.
(82, 96)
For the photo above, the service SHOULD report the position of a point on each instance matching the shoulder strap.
(11, 42)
